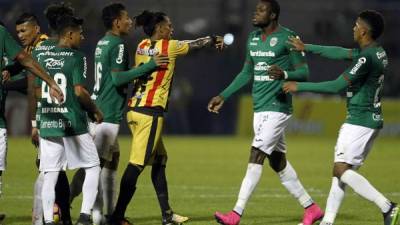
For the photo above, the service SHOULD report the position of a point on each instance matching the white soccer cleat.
(177, 219)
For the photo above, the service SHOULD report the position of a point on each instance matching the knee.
(277, 161)
(340, 168)
(257, 156)
(113, 164)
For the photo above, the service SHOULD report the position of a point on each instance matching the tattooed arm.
(216, 41)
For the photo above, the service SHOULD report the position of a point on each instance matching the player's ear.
(272, 16)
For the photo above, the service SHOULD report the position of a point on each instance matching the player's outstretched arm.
(123, 77)
(330, 52)
(87, 104)
(332, 87)
(33, 66)
(209, 41)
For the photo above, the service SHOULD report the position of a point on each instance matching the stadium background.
(204, 74)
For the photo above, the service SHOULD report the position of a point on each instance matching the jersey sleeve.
(358, 69)
(119, 58)
(11, 47)
(80, 69)
(296, 58)
(177, 48)
(243, 77)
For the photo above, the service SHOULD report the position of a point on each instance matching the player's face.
(263, 15)
(166, 29)
(27, 33)
(359, 29)
(76, 37)
(124, 22)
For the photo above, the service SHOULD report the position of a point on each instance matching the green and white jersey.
(262, 52)
(68, 68)
(366, 76)
(111, 54)
(9, 49)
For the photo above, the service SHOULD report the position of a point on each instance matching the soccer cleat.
(325, 223)
(174, 219)
(230, 218)
(392, 216)
(312, 214)
(84, 219)
(123, 221)
(2, 216)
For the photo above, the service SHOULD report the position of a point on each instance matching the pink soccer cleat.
(312, 214)
(230, 218)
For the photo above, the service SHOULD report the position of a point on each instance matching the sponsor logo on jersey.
(262, 54)
(273, 41)
(148, 52)
(84, 67)
(54, 110)
(98, 51)
(255, 39)
(262, 78)
(261, 66)
(120, 54)
(103, 42)
(52, 63)
(360, 62)
(253, 43)
(376, 117)
(380, 55)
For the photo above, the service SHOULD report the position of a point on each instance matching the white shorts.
(3, 149)
(269, 131)
(354, 143)
(105, 138)
(58, 153)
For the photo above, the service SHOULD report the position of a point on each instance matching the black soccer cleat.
(392, 216)
(84, 219)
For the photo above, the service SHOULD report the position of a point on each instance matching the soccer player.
(147, 106)
(10, 48)
(269, 62)
(64, 138)
(111, 56)
(28, 31)
(364, 82)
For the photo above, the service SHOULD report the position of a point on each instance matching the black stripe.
(151, 111)
(152, 136)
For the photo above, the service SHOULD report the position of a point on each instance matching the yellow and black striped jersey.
(153, 90)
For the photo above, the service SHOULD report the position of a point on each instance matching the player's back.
(364, 94)
(68, 68)
(153, 90)
(111, 54)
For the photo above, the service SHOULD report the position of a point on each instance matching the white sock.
(49, 195)
(289, 179)
(109, 184)
(37, 210)
(335, 198)
(76, 184)
(362, 187)
(97, 213)
(89, 189)
(249, 183)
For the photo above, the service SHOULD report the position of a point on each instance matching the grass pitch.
(205, 173)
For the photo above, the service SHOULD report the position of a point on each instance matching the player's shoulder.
(2, 29)
(286, 31)
(110, 41)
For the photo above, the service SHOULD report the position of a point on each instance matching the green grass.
(204, 175)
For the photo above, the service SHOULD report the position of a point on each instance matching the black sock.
(126, 190)
(160, 185)
(62, 196)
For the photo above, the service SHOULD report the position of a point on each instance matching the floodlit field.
(204, 175)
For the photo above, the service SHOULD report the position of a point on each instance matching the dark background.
(203, 74)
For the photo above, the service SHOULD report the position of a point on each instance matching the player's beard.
(262, 24)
